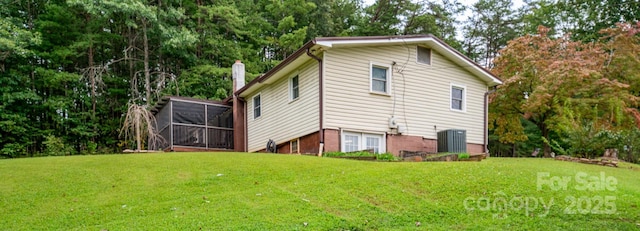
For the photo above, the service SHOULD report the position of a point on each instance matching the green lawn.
(238, 191)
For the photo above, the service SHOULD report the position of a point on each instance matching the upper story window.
(380, 78)
(294, 88)
(257, 106)
(424, 55)
(458, 97)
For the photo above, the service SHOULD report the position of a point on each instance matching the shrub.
(348, 154)
(463, 155)
(55, 146)
(12, 150)
(386, 157)
(92, 147)
(333, 154)
(359, 154)
(380, 157)
(586, 140)
(628, 144)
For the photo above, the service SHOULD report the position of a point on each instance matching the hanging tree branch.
(139, 125)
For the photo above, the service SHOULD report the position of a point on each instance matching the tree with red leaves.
(559, 84)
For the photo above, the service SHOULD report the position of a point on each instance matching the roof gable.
(325, 43)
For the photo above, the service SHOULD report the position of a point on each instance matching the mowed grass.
(239, 191)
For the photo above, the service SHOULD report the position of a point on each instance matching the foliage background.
(69, 68)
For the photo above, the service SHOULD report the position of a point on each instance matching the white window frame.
(297, 141)
(291, 98)
(343, 147)
(463, 104)
(388, 81)
(378, 136)
(418, 55)
(253, 105)
(362, 138)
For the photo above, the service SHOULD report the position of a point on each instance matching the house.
(385, 93)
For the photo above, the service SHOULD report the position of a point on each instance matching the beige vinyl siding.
(281, 119)
(421, 92)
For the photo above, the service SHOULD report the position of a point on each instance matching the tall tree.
(541, 13)
(582, 18)
(381, 18)
(491, 25)
(430, 17)
(19, 134)
(395, 17)
(332, 18)
(549, 81)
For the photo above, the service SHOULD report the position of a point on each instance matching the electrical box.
(393, 123)
(452, 140)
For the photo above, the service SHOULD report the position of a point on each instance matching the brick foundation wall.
(475, 148)
(309, 144)
(284, 148)
(397, 143)
(331, 140)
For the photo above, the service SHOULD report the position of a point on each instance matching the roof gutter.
(486, 120)
(320, 99)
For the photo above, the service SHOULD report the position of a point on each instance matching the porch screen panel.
(220, 138)
(163, 118)
(188, 113)
(189, 136)
(218, 116)
(166, 135)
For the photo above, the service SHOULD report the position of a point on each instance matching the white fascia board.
(466, 64)
(365, 42)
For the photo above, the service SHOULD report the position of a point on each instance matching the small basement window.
(295, 146)
(424, 55)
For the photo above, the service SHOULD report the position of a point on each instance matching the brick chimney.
(239, 115)
(238, 75)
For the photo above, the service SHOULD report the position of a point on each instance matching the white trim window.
(372, 142)
(423, 55)
(379, 78)
(458, 97)
(294, 145)
(357, 141)
(350, 142)
(257, 106)
(294, 87)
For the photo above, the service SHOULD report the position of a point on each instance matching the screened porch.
(189, 124)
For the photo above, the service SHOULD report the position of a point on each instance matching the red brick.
(475, 148)
(331, 140)
(397, 143)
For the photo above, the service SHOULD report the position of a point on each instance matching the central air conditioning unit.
(393, 124)
(452, 140)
